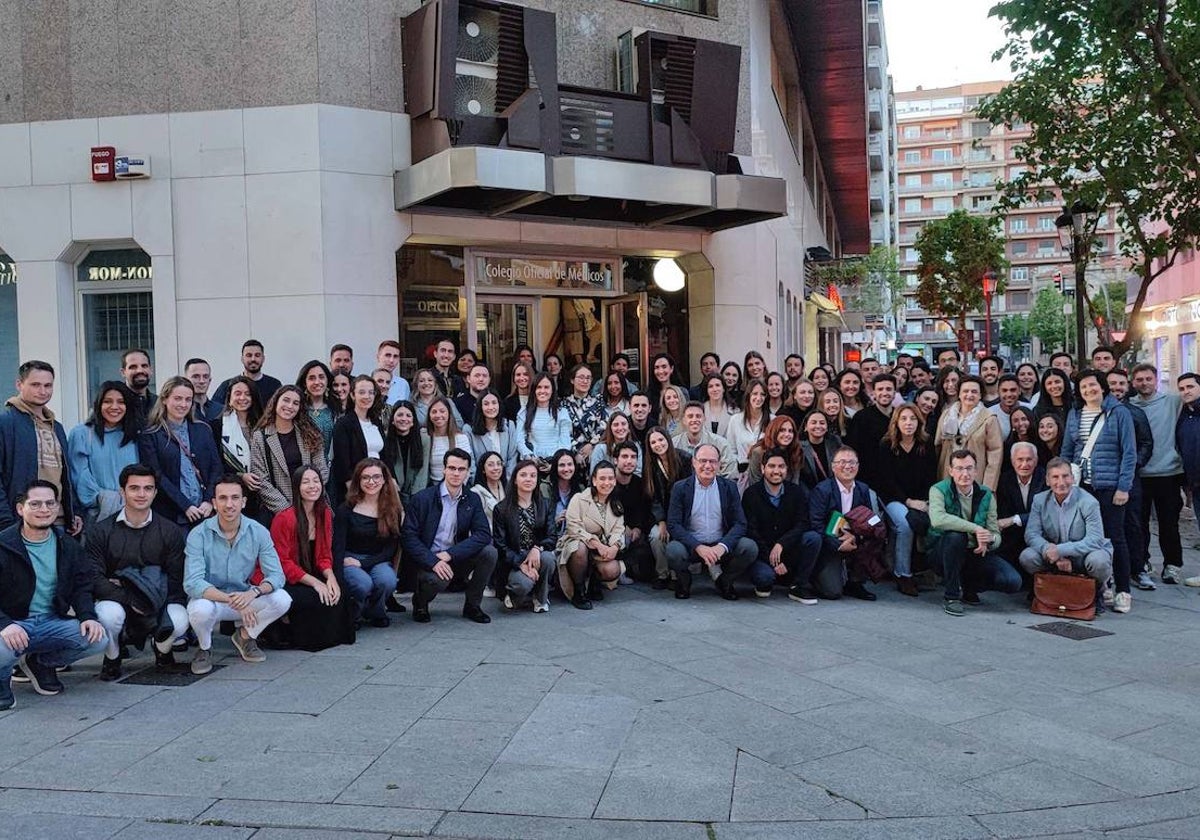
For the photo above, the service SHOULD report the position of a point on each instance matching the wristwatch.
(257, 592)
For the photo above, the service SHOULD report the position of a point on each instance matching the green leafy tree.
(1111, 92)
(872, 284)
(953, 255)
(1046, 319)
(1014, 331)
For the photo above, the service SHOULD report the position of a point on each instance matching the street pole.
(987, 332)
(1080, 286)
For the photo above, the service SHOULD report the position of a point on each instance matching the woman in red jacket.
(320, 616)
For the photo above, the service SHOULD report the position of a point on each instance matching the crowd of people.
(293, 515)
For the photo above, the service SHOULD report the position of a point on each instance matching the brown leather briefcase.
(1064, 596)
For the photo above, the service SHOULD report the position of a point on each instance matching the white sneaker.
(489, 592)
(1170, 574)
(1192, 581)
(1123, 602)
(1108, 593)
(508, 604)
(626, 580)
(541, 607)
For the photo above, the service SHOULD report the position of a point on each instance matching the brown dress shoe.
(906, 586)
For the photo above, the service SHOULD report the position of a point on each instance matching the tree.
(872, 284)
(1111, 92)
(1046, 319)
(1014, 331)
(953, 255)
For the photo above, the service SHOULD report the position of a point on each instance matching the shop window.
(429, 285)
(117, 311)
(9, 353)
(708, 8)
(1187, 353)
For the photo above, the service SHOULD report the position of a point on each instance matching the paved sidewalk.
(645, 718)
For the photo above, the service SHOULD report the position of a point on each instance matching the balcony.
(875, 110)
(875, 69)
(907, 238)
(874, 26)
(935, 136)
(952, 162)
(875, 154)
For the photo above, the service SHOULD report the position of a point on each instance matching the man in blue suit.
(841, 554)
(707, 527)
(446, 536)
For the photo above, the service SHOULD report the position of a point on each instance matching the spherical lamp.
(668, 276)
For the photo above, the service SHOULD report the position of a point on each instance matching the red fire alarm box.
(104, 160)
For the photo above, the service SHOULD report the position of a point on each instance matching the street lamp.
(1076, 228)
(989, 289)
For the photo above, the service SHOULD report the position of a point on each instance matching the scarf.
(954, 425)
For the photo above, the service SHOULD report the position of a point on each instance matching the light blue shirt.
(44, 557)
(211, 560)
(189, 482)
(96, 464)
(448, 524)
(399, 391)
(705, 522)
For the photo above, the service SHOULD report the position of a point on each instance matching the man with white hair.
(1014, 499)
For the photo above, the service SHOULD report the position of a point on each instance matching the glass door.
(503, 323)
(627, 332)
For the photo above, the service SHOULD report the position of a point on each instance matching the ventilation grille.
(678, 77)
(512, 78)
(587, 127)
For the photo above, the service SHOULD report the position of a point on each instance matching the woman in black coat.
(358, 434)
(525, 535)
(182, 454)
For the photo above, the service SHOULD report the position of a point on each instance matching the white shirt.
(847, 497)
(374, 439)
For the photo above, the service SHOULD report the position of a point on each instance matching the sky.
(938, 43)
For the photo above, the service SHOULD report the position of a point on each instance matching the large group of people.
(296, 515)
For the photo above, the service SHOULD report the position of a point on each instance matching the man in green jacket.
(964, 535)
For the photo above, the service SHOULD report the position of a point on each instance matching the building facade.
(950, 160)
(1171, 316)
(298, 194)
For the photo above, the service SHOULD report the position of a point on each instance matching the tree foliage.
(872, 284)
(953, 255)
(1046, 319)
(1111, 92)
(1014, 331)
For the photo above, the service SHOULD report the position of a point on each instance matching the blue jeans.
(370, 588)
(898, 513)
(961, 566)
(56, 641)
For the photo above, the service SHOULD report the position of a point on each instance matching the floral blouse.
(587, 419)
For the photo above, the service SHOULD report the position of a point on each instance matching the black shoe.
(971, 597)
(856, 590)
(164, 660)
(659, 584)
(392, 605)
(580, 601)
(683, 585)
(595, 590)
(110, 669)
(476, 614)
(43, 678)
(382, 621)
(725, 588)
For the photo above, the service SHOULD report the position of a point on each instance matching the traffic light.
(1058, 283)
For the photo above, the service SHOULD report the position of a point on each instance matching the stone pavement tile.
(631, 675)
(701, 617)
(433, 662)
(173, 831)
(504, 827)
(918, 828)
(766, 793)
(655, 640)
(509, 788)
(75, 766)
(936, 666)
(1174, 741)
(760, 730)
(564, 641)
(669, 771)
(1185, 829)
(334, 817)
(278, 663)
(933, 701)
(582, 732)
(435, 764)
(309, 688)
(892, 787)
(59, 827)
(1141, 697)
(313, 834)
(777, 650)
(1128, 813)
(1091, 755)
(129, 806)
(1044, 784)
(32, 728)
(167, 715)
(497, 692)
(936, 749)
(758, 681)
(367, 720)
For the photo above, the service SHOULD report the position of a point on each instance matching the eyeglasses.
(38, 504)
(966, 468)
(707, 461)
(845, 463)
(372, 479)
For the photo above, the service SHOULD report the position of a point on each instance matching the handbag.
(1064, 596)
(1082, 472)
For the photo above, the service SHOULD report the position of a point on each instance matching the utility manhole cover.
(176, 677)
(1070, 630)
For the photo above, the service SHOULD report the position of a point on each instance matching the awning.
(823, 303)
(496, 182)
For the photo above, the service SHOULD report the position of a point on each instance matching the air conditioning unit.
(476, 61)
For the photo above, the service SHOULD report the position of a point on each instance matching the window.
(981, 202)
(118, 310)
(1019, 274)
(1187, 352)
(912, 205)
(912, 328)
(1016, 171)
(1018, 225)
(1047, 246)
(911, 304)
(981, 129)
(1018, 300)
(943, 180)
(983, 153)
(1045, 223)
(1018, 248)
(696, 7)
(8, 316)
(912, 280)
(912, 180)
(910, 255)
(912, 157)
(912, 132)
(943, 205)
(942, 155)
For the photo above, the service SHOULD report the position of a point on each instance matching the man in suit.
(707, 527)
(446, 536)
(1014, 498)
(842, 557)
(1066, 531)
(777, 519)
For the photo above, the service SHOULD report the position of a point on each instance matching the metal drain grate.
(1070, 630)
(175, 677)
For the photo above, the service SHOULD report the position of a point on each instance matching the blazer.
(160, 452)
(768, 525)
(508, 447)
(349, 447)
(283, 535)
(72, 591)
(984, 441)
(268, 462)
(811, 473)
(825, 498)
(733, 517)
(506, 528)
(19, 464)
(471, 535)
(1084, 532)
